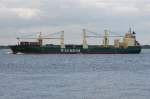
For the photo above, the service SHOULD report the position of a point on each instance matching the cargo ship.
(128, 45)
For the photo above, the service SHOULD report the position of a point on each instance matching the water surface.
(74, 76)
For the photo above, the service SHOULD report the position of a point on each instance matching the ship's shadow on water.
(75, 76)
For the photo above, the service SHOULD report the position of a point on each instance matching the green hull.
(74, 49)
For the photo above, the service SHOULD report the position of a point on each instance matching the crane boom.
(40, 38)
(36, 38)
(101, 36)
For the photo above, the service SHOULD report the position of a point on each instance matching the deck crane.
(40, 38)
(97, 35)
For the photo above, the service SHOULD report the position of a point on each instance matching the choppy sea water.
(74, 76)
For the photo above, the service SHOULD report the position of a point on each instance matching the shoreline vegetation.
(143, 47)
(4, 47)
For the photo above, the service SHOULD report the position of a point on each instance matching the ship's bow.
(13, 49)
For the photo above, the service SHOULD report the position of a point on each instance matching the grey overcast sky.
(22, 17)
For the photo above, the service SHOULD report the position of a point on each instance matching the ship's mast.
(85, 45)
(106, 40)
(62, 40)
(40, 39)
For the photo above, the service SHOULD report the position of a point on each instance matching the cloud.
(117, 15)
(12, 9)
(26, 13)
